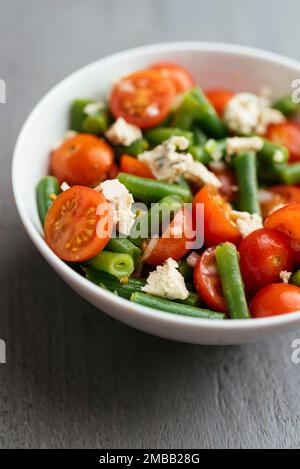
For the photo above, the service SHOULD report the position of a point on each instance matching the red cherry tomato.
(264, 254)
(279, 195)
(173, 243)
(180, 77)
(219, 99)
(72, 224)
(130, 165)
(287, 221)
(82, 160)
(143, 99)
(288, 135)
(207, 281)
(274, 300)
(218, 226)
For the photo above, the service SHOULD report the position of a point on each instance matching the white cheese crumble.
(167, 282)
(193, 259)
(285, 276)
(121, 200)
(247, 114)
(237, 145)
(167, 164)
(65, 186)
(247, 223)
(122, 133)
(92, 109)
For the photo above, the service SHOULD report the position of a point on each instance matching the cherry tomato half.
(174, 242)
(180, 77)
(82, 160)
(279, 195)
(218, 226)
(143, 99)
(274, 300)
(287, 221)
(219, 99)
(288, 135)
(72, 224)
(207, 281)
(263, 255)
(130, 165)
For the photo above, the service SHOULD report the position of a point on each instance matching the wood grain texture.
(74, 377)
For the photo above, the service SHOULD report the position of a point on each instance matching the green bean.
(295, 280)
(133, 285)
(232, 283)
(246, 173)
(199, 136)
(77, 113)
(289, 174)
(216, 149)
(174, 308)
(186, 271)
(273, 154)
(161, 134)
(136, 148)
(150, 190)
(125, 246)
(47, 190)
(96, 124)
(287, 106)
(199, 154)
(155, 218)
(195, 108)
(118, 265)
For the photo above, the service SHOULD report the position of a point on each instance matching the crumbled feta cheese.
(243, 144)
(93, 108)
(279, 156)
(193, 259)
(167, 164)
(248, 114)
(122, 201)
(167, 282)
(122, 133)
(247, 223)
(65, 187)
(285, 276)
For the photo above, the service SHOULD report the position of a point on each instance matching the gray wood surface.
(74, 377)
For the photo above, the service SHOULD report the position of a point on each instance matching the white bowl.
(212, 64)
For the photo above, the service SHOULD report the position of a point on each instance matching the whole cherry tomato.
(274, 300)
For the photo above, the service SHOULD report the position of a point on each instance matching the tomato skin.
(131, 165)
(264, 254)
(288, 135)
(136, 95)
(71, 225)
(218, 227)
(219, 98)
(82, 160)
(159, 250)
(207, 281)
(287, 221)
(274, 300)
(180, 77)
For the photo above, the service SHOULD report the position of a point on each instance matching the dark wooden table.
(74, 377)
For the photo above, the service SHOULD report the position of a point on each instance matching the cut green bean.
(185, 115)
(150, 190)
(77, 113)
(174, 308)
(118, 265)
(231, 279)
(287, 106)
(132, 285)
(136, 148)
(96, 124)
(272, 154)
(200, 138)
(199, 154)
(155, 219)
(186, 271)
(161, 134)
(47, 191)
(246, 173)
(295, 280)
(125, 246)
(288, 174)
